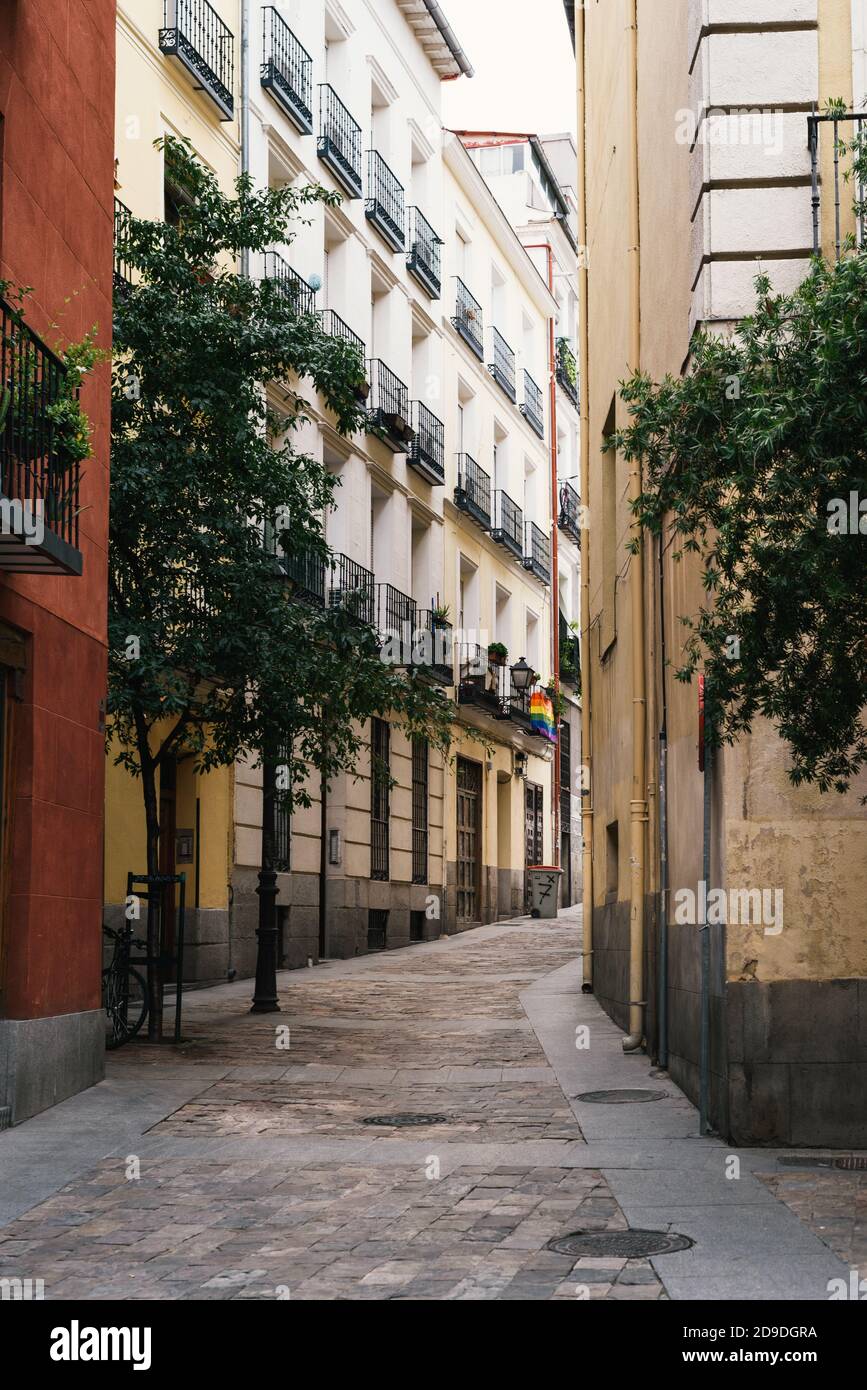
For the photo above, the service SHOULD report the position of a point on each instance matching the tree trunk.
(155, 899)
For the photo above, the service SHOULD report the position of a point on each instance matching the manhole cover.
(852, 1163)
(619, 1097)
(405, 1121)
(630, 1245)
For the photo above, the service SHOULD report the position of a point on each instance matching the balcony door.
(469, 828)
(533, 832)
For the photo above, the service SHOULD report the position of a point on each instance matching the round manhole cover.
(630, 1245)
(405, 1121)
(852, 1163)
(619, 1097)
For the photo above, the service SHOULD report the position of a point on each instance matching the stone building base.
(47, 1060)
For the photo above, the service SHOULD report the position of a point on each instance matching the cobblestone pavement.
(229, 1195)
(834, 1206)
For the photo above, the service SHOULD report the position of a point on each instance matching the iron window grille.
(569, 518)
(532, 407)
(473, 492)
(468, 319)
(38, 477)
(339, 141)
(537, 552)
(567, 370)
(122, 270)
(287, 70)
(380, 798)
(352, 589)
(292, 286)
(195, 34)
(388, 408)
(377, 929)
(434, 646)
(428, 451)
(420, 777)
(306, 570)
(508, 524)
(385, 207)
(396, 623)
(423, 256)
(502, 368)
(283, 819)
(842, 177)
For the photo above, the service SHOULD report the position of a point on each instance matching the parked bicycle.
(124, 990)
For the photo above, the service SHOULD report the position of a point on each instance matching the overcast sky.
(524, 67)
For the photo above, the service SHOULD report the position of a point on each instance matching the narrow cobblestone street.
(413, 1141)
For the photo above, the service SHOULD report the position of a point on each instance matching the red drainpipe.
(555, 587)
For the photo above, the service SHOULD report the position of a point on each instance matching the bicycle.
(124, 990)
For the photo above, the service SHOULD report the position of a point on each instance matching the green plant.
(498, 652)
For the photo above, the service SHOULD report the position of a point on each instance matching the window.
(419, 810)
(380, 798)
(177, 197)
(608, 625)
(377, 929)
(612, 861)
(282, 812)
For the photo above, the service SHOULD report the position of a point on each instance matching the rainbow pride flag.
(542, 716)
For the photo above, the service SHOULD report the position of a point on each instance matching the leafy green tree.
(749, 460)
(209, 658)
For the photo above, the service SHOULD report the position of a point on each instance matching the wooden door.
(469, 827)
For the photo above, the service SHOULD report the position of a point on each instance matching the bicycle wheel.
(125, 1003)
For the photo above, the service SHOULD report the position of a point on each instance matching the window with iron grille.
(377, 929)
(416, 926)
(419, 810)
(282, 813)
(380, 797)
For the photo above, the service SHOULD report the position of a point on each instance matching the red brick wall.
(56, 232)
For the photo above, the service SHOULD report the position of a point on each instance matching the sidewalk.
(231, 1167)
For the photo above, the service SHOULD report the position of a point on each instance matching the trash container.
(544, 881)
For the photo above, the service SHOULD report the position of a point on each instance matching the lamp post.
(265, 994)
(522, 676)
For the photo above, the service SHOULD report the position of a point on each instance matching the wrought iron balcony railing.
(567, 370)
(39, 479)
(479, 683)
(388, 408)
(854, 126)
(569, 519)
(122, 272)
(385, 207)
(335, 327)
(423, 255)
(339, 143)
(396, 623)
(517, 706)
(570, 655)
(287, 70)
(502, 368)
(473, 492)
(307, 571)
(195, 34)
(508, 524)
(427, 454)
(434, 647)
(532, 407)
(291, 285)
(352, 589)
(537, 552)
(468, 319)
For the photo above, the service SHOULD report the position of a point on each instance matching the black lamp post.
(265, 994)
(522, 676)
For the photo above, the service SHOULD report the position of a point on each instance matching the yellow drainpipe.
(638, 802)
(584, 482)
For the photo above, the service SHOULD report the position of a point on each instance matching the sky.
(524, 67)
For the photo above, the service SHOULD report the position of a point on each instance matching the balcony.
(537, 552)
(569, 519)
(292, 286)
(287, 70)
(427, 455)
(517, 706)
(334, 326)
(433, 643)
(468, 320)
(479, 682)
(532, 407)
(570, 656)
(567, 370)
(122, 273)
(39, 480)
(502, 368)
(352, 589)
(848, 188)
(388, 409)
(339, 144)
(508, 524)
(306, 572)
(385, 208)
(423, 256)
(195, 34)
(473, 492)
(396, 624)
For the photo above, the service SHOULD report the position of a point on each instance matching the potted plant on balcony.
(498, 653)
(439, 615)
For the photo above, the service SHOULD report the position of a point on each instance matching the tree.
(208, 656)
(748, 460)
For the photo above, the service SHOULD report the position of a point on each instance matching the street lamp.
(522, 676)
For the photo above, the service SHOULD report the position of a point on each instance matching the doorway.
(533, 832)
(469, 826)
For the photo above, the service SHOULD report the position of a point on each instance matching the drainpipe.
(245, 112)
(662, 1003)
(584, 484)
(638, 802)
(555, 587)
